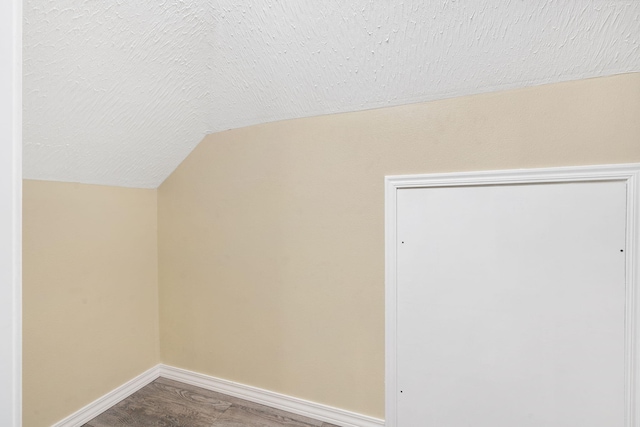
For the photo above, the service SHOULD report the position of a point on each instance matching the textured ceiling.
(120, 92)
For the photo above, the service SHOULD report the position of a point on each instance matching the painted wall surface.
(271, 237)
(90, 294)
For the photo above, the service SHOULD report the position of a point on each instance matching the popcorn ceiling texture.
(115, 93)
(119, 93)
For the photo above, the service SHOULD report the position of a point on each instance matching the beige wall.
(271, 242)
(90, 294)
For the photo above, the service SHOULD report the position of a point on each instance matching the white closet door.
(511, 305)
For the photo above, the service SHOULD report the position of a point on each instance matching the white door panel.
(511, 305)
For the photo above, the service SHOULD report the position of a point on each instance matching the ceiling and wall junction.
(119, 93)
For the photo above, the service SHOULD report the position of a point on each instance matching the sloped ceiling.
(120, 92)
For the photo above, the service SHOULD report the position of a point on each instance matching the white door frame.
(11, 213)
(629, 173)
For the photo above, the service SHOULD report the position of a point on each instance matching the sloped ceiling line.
(119, 93)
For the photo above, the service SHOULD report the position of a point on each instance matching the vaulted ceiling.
(120, 92)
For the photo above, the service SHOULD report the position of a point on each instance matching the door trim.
(629, 173)
(11, 213)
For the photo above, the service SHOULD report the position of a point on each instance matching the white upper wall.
(119, 93)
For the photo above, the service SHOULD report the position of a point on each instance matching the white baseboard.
(294, 405)
(100, 405)
(313, 410)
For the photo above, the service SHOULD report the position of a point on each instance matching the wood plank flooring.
(170, 403)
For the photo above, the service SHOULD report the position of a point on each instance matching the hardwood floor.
(170, 403)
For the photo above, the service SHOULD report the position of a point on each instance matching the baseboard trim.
(100, 405)
(295, 405)
(317, 411)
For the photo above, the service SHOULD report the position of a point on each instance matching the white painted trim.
(295, 405)
(632, 352)
(100, 405)
(11, 213)
(630, 173)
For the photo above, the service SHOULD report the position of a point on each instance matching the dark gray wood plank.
(165, 405)
(247, 404)
(241, 416)
(169, 403)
